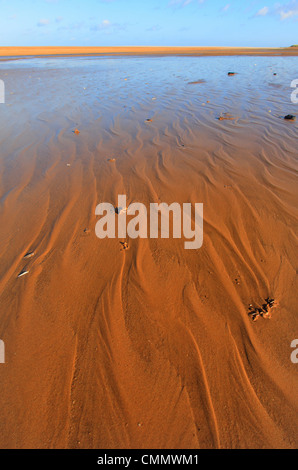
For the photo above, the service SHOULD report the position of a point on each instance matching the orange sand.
(150, 347)
(200, 51)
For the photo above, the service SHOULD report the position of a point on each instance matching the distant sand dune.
(200, 51)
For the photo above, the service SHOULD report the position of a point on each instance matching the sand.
(190, 51)
(153, 346)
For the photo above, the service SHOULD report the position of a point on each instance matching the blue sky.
(148, 22)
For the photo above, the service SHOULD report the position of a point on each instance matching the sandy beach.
(126, 51)
(154, 346)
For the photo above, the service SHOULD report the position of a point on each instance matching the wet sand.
(150, 347)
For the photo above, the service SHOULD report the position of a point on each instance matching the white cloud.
(43, 22)
(287, 10)
(106, 23)
(284, 15)
(155, 27)
(108, 26)
(263, 12)
(183, 3)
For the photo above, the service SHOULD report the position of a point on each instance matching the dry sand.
(191, 51)
(150, 347)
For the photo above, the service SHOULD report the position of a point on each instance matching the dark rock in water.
(231, 74)
(290, 117)
(275, 73)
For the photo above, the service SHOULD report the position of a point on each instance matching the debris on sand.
(111, 159)
(120, 210)
(30, 254)
(148, 120)
(197, 82)
(23, 272)
(230, 74)
(124, 246)
(87, 230)
(76, 131)
(265, 311)
(226, 117)
(290, 117)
